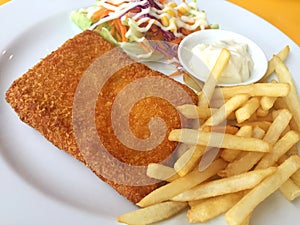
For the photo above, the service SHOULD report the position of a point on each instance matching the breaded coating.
(44, 98)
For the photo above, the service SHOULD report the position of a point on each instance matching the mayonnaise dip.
(239, 66)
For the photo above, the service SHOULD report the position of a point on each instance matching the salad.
(143, 27)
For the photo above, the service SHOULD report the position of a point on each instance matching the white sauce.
(117, 10)
(239, 66)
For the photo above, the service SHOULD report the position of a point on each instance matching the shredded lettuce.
(104, 32)
(135, 51)
(81, 19)
(134, 33)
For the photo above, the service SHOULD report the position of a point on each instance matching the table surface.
(3, 1)
(284, 14)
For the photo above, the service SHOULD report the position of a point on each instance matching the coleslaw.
(143, 27)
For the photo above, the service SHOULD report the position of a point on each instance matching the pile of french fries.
(258, 125)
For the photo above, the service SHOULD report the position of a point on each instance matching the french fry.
(217, 100)
(223, 112)
(262, 112)
(189, 160)
(256, 118)
(296, 178)
(206, 209)
(228, 129)
(257, 89)
(292, 99)
(253, 117)
(261, 132)
(294, 124)
(290, 190)
(228, 154)
(161, 172)
(278, 126)
(287, 129)
(276, 112)
(245, 160)
(281, 104)
(194, 112)
(192, 82)
(241, 165)
(271, 67)
(282, 159)
(249, 160)
(239, 212)
(280, 148)
(265, 125)
(208, 157)
(212, 80)
(181, 149)
(246, 220)
(258, 132)
(181, 184)
(227, 185)
(246, 111)
(293, 151)
(197, 137)
(268, 102)
(152, 214)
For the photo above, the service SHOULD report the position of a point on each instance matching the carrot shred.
(136, 10)
(158, 35)
(154, 28)
(100, 13)
(175, 74)
(162, 1)
(179, 14)
(185, 31)
(112, 30)
(121, 30)
(118, 36)
(176, 41)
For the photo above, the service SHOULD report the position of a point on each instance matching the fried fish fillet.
(53, 98)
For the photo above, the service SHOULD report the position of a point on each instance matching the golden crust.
(44, 96)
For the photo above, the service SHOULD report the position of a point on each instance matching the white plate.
(42, 185)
